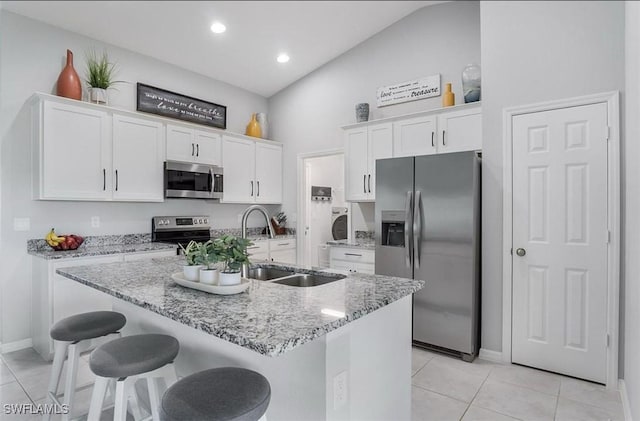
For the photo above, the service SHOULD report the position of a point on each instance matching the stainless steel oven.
(196, 181)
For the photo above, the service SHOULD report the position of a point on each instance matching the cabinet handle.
(443, 144)
(369, 183)
(283, 244)
(364, 183)
(197, 149)
(252, 188)
(254, 247)
(433, 145)
(193, 149)
(116, 180)
(258, 184)
(104, 179)
(353, 254)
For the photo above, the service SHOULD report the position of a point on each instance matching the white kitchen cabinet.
(132, 257)
(187, 144)
(460, 131)
(415, 136)
(352, 259)
(259, 251)
(283, 251)
(72, 152)
(138, 156)
(55, 297)
(363, 147)
(252, 171)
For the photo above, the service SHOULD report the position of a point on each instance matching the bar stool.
(71, 336)
(228, 393)
(126, 360)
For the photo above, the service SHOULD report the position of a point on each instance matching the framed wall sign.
(181, 107)
(411, 90)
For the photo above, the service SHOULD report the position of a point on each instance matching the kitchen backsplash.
(215, 233)
(365, 236)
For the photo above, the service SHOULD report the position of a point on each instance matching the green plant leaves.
(100, 72)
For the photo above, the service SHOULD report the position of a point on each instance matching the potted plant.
(100, 75)
(209, 256)
(193, 256)
(232, 251)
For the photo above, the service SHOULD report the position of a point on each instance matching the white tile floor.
(444, 389)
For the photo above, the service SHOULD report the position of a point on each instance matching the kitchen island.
(336, 351)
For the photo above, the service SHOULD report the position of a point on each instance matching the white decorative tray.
(211, 289)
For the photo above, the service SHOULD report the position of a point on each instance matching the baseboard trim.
(626, 406)
(489, 355)
(16, 346)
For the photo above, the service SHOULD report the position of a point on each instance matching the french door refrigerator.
(427, 223)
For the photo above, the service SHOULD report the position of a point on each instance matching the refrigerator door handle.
(407, 223)
(417, 228)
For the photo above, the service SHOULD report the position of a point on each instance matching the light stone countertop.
(101, 250)
(268, 318)
(356, 245)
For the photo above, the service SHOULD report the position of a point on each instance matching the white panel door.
(415, 136)
(268, 173)
(239, 165)
(560, 241)
(208, 148)
(356, 165)
(380, 147)
(181, 145)
(460, 131)
(138, 158)
(76, 162)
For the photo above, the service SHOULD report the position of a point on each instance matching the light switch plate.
(95, 222)
(21, 224)
(340, 392)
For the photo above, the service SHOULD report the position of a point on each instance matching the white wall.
(308, 114)
(362, 218)
(631, 225)
(535, 51)
(31, 57)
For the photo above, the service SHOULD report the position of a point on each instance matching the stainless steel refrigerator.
(427, 221)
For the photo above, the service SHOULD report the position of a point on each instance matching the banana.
(52, 239)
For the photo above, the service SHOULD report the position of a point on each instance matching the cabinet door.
(414, 136)
(284, 256)
(208, 148)
(259, 251)
(380, 147)
(180, 143)
(268, 173)
(460, 131)
(138, 156)
(74, 153)
(239, 163)
(356, 164)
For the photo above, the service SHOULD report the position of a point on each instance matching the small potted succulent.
(100, 73)
(209, 256)
(195, 262)
(232, 251)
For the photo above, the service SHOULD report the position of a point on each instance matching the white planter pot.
(98, 96)
(209, 276)
(192, 273)
(229, 278)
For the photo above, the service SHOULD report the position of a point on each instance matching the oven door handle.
(211, 183)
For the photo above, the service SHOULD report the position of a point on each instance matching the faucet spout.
(263, 211)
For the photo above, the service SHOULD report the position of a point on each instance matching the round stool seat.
(87, 326)
(229, 394)
(133, 355)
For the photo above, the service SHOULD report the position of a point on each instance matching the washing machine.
(339, 225)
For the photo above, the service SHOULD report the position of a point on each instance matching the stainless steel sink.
(307, 280)
(266, 274)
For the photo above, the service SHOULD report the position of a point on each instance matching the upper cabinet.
(186, 144)
(439, 131)
(252, 170)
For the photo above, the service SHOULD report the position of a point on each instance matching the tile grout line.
(19, 383)
(476, 394)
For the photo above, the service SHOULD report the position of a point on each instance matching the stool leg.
(97, 398)
(56, 371)
(72, 374)
(120, 409)
(133, 396)
(154, 398)
(263, 418)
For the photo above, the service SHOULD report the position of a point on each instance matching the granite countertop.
(101, 250)
(366, 245)
(268, 318)
(263, 237)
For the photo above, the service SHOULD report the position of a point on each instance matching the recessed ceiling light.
(218, 28)
(283, 58)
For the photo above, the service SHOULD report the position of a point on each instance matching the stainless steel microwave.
(196, 181)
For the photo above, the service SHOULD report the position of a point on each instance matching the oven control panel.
(164, 223)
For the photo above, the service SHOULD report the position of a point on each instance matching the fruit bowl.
(63, 242)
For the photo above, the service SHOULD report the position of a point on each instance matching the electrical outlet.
(340, 390)
(95, 222)
(21, 224)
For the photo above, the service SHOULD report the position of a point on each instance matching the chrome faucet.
(264, 212)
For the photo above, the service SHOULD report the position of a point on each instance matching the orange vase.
(69, 85)
(448, 98)
(253, 128)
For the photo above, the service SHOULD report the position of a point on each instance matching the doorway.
(321, 204)
(561, 228)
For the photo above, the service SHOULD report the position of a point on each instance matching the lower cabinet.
(352, 259)
(55, 297)
(274, 250)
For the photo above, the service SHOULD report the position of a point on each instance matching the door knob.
(521, 252)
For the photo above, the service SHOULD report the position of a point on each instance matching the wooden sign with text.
(411, 90)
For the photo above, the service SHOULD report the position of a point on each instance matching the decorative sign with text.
(412, 90)
(181, 107)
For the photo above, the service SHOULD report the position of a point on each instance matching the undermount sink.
(267, 274)
(308, 280)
